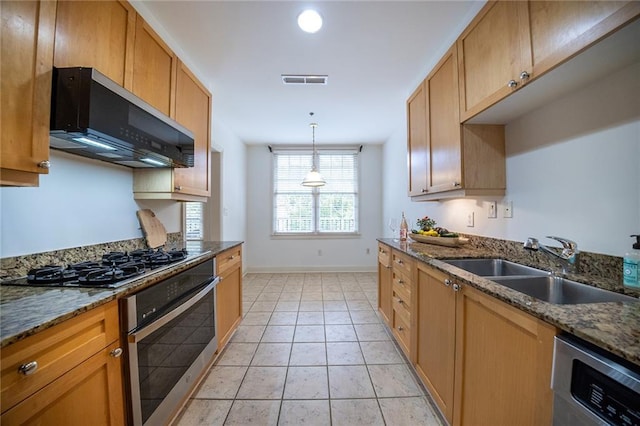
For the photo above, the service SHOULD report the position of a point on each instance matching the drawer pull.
(456, 287)
(116, 352)
(399, 262)
(447, 282)
(400, 328)
(512, 84)
(400, 282)
(400, 302)
(28, 368)
(230, 257)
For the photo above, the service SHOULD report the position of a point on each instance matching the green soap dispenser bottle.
(631, 266)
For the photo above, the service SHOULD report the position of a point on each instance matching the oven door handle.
(144, 332)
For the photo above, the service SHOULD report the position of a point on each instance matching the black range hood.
(94, 117)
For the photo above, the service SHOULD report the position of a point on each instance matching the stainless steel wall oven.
(170, 328)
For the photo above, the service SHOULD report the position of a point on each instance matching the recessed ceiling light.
(310, 21)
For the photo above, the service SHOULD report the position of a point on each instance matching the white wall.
(80, 202)
(572, 171)
(233, 154)
(266, 254)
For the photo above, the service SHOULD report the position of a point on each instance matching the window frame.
(316, 192)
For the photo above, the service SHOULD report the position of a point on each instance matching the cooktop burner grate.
(110, 271)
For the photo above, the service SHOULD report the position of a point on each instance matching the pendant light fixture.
(313, 178)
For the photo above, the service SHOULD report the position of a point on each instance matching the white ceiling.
(375, 53)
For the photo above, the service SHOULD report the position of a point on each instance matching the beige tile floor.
(311, 350)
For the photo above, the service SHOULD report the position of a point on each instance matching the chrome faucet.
(569, 257)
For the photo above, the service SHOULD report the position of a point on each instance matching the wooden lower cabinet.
(89, 394)
(483, 361)
(503, 363)
(78, 378)
(228, 294)
(436, 331)
(384, 282)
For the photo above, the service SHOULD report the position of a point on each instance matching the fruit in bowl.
(426, 227)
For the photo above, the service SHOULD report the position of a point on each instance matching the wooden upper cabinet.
(443, 130)
(25, 81)
(493, 51)
(96, 34)
(193, 111)
(417, 141)
(154, 69)
(560, 29)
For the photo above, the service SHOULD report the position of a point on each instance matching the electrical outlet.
(493, 210)
(470, 218)
(508, 209)
(319, 252)
(368, 251)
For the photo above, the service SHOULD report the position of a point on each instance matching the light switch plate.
(492, 212)
(508, 209)
(470, 220)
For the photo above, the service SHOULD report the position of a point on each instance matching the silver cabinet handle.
(512, 84)
(424, 190)
(400, 282)
(45, 164)
(456, 287)
(399, 262)
(400, 328)
(116, 352)
(448, 282)
(29, 368)
(400, 302)
(456, 184)
(178, 188)
(231, 257)
(524, 76)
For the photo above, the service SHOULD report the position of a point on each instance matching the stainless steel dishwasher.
(592, 386)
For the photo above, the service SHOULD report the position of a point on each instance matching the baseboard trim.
(301, 269)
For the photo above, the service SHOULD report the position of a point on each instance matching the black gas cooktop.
(113, 270)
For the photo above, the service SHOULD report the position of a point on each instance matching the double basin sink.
(537, 283)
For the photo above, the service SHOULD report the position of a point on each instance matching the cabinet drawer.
(228, 260)
(401, 309)
(56, 351)
(402, 263)
(402, 285)
(384, 255)
(402, 332)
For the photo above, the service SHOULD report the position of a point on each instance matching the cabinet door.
(154, 69)
(193, 111)
(229, 305)
(417, 141)
(493, 50)
(503, 363)
(25, 82)
(384, 288)
(443, 130)
(436, 336)
(560, 29)
(89, 394)
(97, 34)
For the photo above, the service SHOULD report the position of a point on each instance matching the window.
(330, 209)
(194, 219)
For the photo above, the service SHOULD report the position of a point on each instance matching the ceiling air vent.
(305, 79)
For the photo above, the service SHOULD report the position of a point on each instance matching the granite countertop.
(27, 310)
(614, 326)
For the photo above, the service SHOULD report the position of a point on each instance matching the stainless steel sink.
(494, 267)
(561, 291)
(537, 283)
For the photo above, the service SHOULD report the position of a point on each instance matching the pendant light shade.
(313, 178)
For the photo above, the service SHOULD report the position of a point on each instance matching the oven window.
(166, 354)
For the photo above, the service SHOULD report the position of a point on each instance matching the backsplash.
(19, 266)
